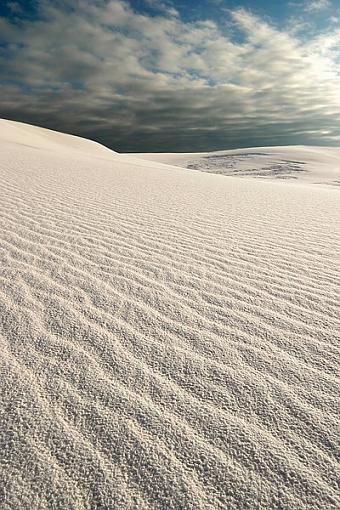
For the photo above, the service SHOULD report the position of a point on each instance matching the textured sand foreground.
(169, 339)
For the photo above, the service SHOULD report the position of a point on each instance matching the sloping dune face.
(169, 339)
(20, 134)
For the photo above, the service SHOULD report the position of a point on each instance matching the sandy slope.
(46, 139)
(169, 339)
(300, 164)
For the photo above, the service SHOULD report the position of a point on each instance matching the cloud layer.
(140, 83)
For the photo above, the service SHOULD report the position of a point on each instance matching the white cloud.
(163, 6)
(141, 83)
(317, 5)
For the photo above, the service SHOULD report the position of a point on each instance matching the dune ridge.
(169, 339)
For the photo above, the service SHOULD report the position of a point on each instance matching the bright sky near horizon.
(181, 75)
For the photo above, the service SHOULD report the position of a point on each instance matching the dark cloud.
(141, 83)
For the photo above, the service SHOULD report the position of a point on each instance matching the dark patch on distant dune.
(228, 165)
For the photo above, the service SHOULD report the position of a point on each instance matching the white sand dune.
(35, 137)
(169, 339)
(302, 164)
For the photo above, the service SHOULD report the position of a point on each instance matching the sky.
(174, 75)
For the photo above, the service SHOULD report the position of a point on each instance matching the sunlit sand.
(169, 337)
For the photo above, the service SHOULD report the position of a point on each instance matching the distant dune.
(169, 338)
(300, 164)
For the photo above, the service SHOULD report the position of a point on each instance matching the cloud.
(163, 7)
(138, 82)
(317, 5)
(311, 6)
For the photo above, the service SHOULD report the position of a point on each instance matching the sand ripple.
(168, 339)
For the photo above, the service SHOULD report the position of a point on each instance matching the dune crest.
(19, 133)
